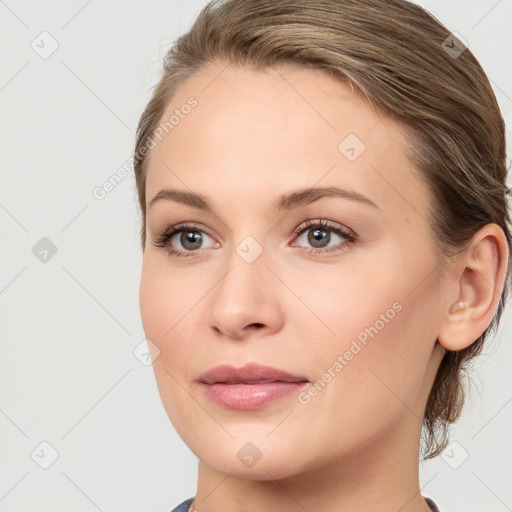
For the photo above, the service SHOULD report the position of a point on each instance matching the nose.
(246, 301)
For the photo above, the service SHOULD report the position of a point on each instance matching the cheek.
(167, 307)
(163, 308)
(153, 305)
(376, 383)
(161, 300)
(383, 338)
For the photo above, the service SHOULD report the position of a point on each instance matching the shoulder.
(183, 507)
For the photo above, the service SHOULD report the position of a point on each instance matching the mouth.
(249, 387)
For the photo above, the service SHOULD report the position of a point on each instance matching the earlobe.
(479, 279)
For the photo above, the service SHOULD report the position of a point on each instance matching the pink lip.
(250, 387)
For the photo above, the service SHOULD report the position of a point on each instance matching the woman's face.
(356, 319)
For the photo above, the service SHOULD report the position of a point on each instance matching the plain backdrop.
(82, 426)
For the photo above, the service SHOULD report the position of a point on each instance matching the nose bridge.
(245, 295)
(248, 272)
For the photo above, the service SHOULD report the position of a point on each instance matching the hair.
(397, 54)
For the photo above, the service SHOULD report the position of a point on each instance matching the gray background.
(70, 324)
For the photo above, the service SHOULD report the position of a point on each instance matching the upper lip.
(251, 373)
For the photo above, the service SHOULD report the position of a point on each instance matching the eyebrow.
(288, 201)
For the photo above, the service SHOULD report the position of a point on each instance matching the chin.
(248, 457)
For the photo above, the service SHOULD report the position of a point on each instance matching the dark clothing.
(183, 507)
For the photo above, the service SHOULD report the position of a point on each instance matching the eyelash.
(167, 234)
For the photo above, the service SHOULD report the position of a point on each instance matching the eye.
(318, 234)
(190, 236)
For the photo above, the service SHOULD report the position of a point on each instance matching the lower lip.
(250, 396)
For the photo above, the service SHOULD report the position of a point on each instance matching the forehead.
(273, 129)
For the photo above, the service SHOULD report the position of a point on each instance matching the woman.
(326, 247)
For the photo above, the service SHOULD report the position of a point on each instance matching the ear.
(478, 279)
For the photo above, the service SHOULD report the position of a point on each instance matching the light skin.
(254, 136)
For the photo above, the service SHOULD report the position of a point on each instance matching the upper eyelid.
(324, 223)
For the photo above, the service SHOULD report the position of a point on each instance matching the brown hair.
(407, 63)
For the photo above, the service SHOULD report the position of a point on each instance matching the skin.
(253, 136)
